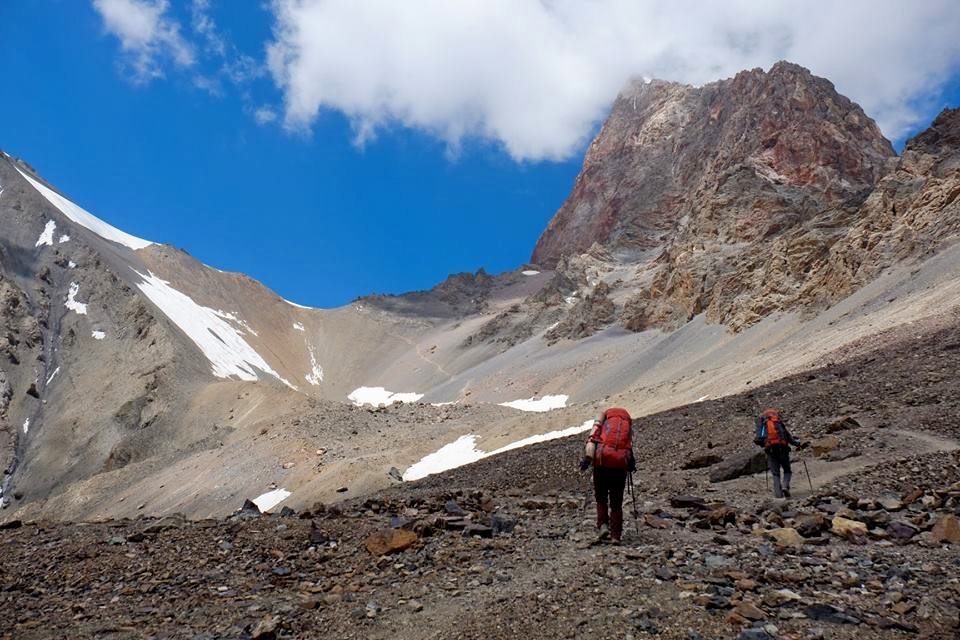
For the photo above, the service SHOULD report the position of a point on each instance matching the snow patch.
(546, 403)
(571, 300)
(52, 376)
(702, 398)
(79, 307)
(444, 404)
(63, 238)
(26, 425)
(299, 326)
(71, 265)
(270, 499)
(461, 451)
(46, 238)
(464, 450)
(85, 218)
(229, 354)
(298, 306)
(530, 272)
(315, 377)
(98, 335)
(378, 396)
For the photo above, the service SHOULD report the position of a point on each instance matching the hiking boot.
(603, 532)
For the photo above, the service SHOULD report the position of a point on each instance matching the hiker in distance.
(772, 434)
(610, 451)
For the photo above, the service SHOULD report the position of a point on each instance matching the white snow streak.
(63, 238)
(232, 317)
(271, 499)
(315, 377)
(85, 218)
(298, 306)
(378, 396)
(229, 354)
(72, 304)
(299, 326)
(98, 335)
(52, 376)
(464, 450)
(26, 425)
(530, 272)
(71, 265)
(46, 238)
(546, 403)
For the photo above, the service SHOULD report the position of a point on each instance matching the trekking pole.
(809, 481)
(633, 500)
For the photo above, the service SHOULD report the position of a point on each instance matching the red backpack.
(614, 440)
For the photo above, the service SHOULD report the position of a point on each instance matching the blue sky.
(379, 163)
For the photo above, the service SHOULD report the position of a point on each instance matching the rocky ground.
(504, 548)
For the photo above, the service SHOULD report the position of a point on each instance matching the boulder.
(750, 611)
(785, 537)
(823, 446)
(811, 525)
(721, 516)
(890, 502)
(688, 502)
(742, 464)
(701, 462)
(947, 529)
(843, 423)
(846, 528)
(901, 531)
(386, 541)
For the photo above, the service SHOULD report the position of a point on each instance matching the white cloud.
(148, 36)
(536, 75)
(205, 26)
(265, 115)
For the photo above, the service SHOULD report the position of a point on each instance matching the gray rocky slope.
(135, 380)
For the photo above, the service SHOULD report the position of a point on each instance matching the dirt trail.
(887, 445)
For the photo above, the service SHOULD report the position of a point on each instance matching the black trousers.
(778, 458)
(608, 485)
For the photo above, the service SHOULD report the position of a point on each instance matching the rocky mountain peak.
(783, 137)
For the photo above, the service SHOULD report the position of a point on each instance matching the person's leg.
(600, 491)
(787, 471)
(773, 462)
(618, 480)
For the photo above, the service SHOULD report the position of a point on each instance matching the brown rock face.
(739, 160)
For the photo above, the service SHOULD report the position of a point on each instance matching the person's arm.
(789, 436)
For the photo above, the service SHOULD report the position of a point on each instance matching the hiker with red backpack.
(610, 450)
(772, 434)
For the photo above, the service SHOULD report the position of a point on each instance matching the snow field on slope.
(98, 335)
(464, 451)
(86, 219)
(315, 376)
(79, 307)
(26, 425)
(530, 272)
(378, 396)
(545, 403)
(46, 238)
(229, 354)
(270, 499)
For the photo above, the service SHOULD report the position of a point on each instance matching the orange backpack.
(768, 429)
(614, 440)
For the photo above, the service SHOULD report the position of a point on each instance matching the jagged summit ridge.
(667, 146)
